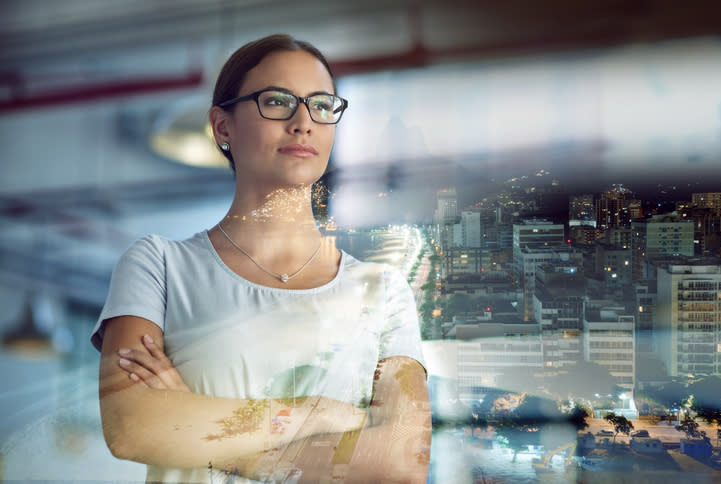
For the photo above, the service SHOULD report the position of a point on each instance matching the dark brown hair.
(236, 68)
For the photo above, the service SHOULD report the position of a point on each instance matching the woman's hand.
(153, 370)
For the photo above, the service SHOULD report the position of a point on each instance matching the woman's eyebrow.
(320, 92)
(277, 88)
(283, 89)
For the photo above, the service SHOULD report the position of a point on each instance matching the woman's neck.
(280, 205)
(282, 217)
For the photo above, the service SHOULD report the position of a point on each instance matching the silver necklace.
(282, 277)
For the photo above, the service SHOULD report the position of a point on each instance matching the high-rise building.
(445, 217)
(710, 200)
(529, 260)
(645, 313)
(581, 211)
(706, 230)
(659, 236)
(609, 341)
(616, 208)
(464, 260)
(689, 317)
(583, 234)
(457, 238)
(535, 233)
(535, 241)
(504, 236)
(558, 304)
(634, 209)
(447, 205)
(619, 237)
(613, 264)
(471, 228)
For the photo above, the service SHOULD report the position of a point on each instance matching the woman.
(286, 358)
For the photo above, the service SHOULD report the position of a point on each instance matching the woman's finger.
(155, 350)
(137, 380)
(167, 370)
(143, 359)
(139, 374)
(162, 369)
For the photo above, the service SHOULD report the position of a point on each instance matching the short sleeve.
(401, 334)
(137, 286)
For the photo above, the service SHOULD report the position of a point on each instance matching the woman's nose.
(301, 121)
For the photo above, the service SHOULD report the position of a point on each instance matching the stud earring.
(225, 146)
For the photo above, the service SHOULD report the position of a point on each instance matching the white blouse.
(229, 337)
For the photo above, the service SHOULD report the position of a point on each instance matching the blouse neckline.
(344, 259)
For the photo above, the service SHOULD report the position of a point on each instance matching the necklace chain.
(282, 277)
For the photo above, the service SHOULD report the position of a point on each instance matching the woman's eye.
(322, 105)
(278, 101)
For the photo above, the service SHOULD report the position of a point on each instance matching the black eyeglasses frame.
(301, 100)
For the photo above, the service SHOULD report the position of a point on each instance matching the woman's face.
(271, 154)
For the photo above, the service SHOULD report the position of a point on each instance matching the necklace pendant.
(284, 278)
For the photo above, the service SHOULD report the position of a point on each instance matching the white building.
(487, 350)
(689, 318)
(536, 233)
(658, 236)
(609, 341)
(471, 228)
(447, 205)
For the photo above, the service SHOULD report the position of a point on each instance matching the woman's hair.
(236, 68)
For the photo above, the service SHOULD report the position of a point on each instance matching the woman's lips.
(301, 151)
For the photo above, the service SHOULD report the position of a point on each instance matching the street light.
(623, 397)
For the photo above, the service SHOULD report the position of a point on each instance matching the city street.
(663, 431)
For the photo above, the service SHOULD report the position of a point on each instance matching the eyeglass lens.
(323, 108)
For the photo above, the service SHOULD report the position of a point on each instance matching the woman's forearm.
(320, 438)
(158, 422)
(186, 430)
(392, 446)
(395, 451)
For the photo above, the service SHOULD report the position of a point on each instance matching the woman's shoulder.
(383, 271)
(158, 244)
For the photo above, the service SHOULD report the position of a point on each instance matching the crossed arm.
(150, 416)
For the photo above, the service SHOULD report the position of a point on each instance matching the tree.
(428, 286)
(578, 416)
(620, 424)
(706, 401)
(427, 308)
(707, 392)
(689, 426)
(534, 411)
(484, 408)
(671, 395)
(520, 427)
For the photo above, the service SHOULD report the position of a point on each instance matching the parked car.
(640, 433)
(604, 433)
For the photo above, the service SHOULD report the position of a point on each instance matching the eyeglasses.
(282, 105)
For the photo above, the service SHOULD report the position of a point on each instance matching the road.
(400, 247)
(662, 431)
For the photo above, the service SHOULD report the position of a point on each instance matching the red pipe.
(92, 92)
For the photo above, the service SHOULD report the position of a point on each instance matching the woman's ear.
(219, 123)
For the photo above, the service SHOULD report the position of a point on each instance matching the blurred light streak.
(645, 101)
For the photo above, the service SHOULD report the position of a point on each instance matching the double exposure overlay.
(554, 207)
